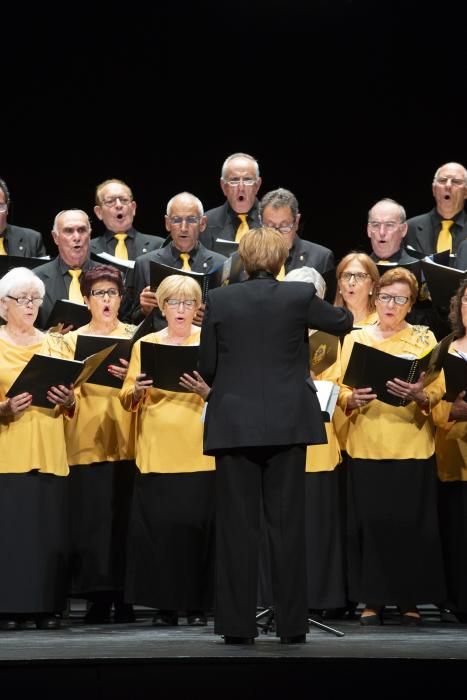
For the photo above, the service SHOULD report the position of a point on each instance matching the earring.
(370, 293)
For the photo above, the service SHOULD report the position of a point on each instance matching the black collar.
(261, 275)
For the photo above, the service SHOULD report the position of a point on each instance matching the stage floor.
(131, 660)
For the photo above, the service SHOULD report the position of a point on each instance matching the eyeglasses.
(178, 220)
(464, 300)
(3, 208)
(358, 276)
(455, 181)
(388, 225)
(23, 301)
(283, 228)
(386, 298)
(112, 292)
(235, 181)
(110, 201)
(189, 303)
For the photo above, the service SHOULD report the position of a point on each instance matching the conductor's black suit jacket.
(254, 355)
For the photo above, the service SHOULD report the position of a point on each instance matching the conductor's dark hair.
(99, 273)
(5, 190)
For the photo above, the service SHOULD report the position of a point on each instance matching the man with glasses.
(240, 182)
(71, 233)
(184, 220)
(445, 226)
(279, 210)
(116, 208)
(15, 240)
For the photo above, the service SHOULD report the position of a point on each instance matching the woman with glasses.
(357, 276)
(451, 455)
(33, 464)
(394, 550)
(171, 538)
(100, 446)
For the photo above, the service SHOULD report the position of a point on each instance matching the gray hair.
(308, 274)
(435, 176)
(402, 213)
(277, 199)
(185, 194)
(65, 211)
(16, 280)
(226, 162)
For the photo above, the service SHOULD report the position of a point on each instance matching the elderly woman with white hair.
(33, 464)
(171, 532)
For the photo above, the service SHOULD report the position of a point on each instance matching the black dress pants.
(241, 476)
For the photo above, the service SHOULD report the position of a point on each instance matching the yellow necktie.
(243, 227)
(74, 293)
(281, 274)
(186, 265)
(2, 247)
(121, 251)
(445, 236)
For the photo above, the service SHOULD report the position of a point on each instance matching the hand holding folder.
(43, 372)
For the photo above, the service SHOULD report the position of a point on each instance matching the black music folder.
(323, 350)
(414, 267)
(8, 262)
(225, 247)
(165, 364)
(455, 375)
(68, 313)
(43, 371)
(87, 345)
(370, 367)
(125, 267)
(443, 282)
(206, 280)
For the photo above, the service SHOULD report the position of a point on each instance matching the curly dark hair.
(455, 313)
(98, 273)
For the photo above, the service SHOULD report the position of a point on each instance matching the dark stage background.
(341, 101)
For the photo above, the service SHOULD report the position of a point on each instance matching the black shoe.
(9, 624)
(238, 640)
(295, 639)
(98, 614)
(124, 613)
(165, 618)
(447, 615)
(47, 622)
(196, 619)
(371, 620)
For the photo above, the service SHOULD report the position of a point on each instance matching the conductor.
(262, 411)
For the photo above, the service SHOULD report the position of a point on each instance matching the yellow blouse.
(100, 430)
(451, 443)
(325, 458)
(379, 430)
(169, 431)
(34, 439)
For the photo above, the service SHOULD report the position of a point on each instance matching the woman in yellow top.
(100, 447)
(394, 546)
(325, 556)
(171, 538)
(451, 456)
(33, 464)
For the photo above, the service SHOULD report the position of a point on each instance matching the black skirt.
(33, 543)
(171, 541)
(394, 546)
(453, 526)
(100, 499)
